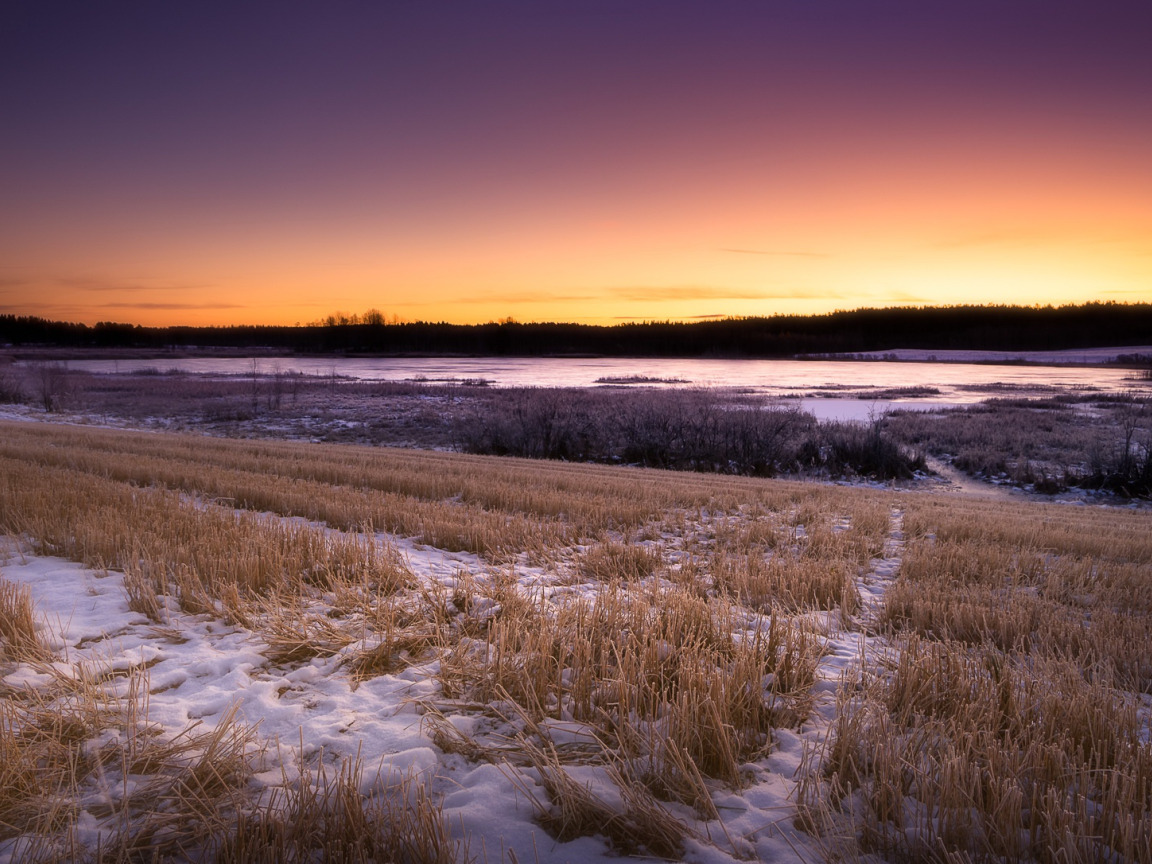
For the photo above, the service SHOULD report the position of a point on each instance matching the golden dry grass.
(19, 639)
(487, 505)
(1007, 722)
(999, 722)
(677, 677)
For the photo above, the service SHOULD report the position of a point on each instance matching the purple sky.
(180, 162)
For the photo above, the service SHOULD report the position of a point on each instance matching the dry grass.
(639, 825)
(678, 676)
(611, 560)
(787, 582)
(1005, 723)
(80, 746)
(1000, 722)
(661, 678)
(167, 544)
(966, 753)
(82, 743)
(491, 506)
(19, 637)
(326, 818)
(1048, 585)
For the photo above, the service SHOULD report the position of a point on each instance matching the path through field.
(955, 481)
(849, 648)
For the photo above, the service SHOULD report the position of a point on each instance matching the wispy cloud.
(671, 317)
(776, 253)
(529, 297)
(522, 297)
(98, 284)
(667, 293)
(175, 306)
(904, 297)
(43, 310)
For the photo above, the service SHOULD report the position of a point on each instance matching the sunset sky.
(206, 163)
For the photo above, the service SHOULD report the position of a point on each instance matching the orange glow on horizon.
(700, 249)
(560, 170)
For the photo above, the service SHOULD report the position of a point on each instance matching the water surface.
(828, 388)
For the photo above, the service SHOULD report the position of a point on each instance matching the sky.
(188, 163)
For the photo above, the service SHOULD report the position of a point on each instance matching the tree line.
(996, 328)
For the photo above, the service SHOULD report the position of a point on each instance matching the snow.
(864, 410)
(1070, 355)
(200, 669)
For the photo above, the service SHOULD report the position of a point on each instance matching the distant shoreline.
(1000, 334)
(1131, 356)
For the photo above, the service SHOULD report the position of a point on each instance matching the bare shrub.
(865, 449)
(50, 381)
(696, 430)
(11, 387)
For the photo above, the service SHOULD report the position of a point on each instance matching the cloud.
(667, 293)
(43, 310)
(522, 297)
(529, 297)
(173, 306)
(97, 284)
(905, 297)
(716, 317)
(770, 252)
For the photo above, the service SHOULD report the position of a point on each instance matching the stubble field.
(261, 651)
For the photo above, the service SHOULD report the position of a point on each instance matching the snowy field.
(544, 662)
(199, 670)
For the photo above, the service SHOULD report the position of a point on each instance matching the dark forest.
(996, 328)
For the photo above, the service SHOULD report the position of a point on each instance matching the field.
(215, 649)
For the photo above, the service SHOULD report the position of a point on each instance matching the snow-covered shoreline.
(1062, 357)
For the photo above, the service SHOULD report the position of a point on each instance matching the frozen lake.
(828, 388)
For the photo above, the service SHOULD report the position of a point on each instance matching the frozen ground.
(314, 714)
(1071, 356)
